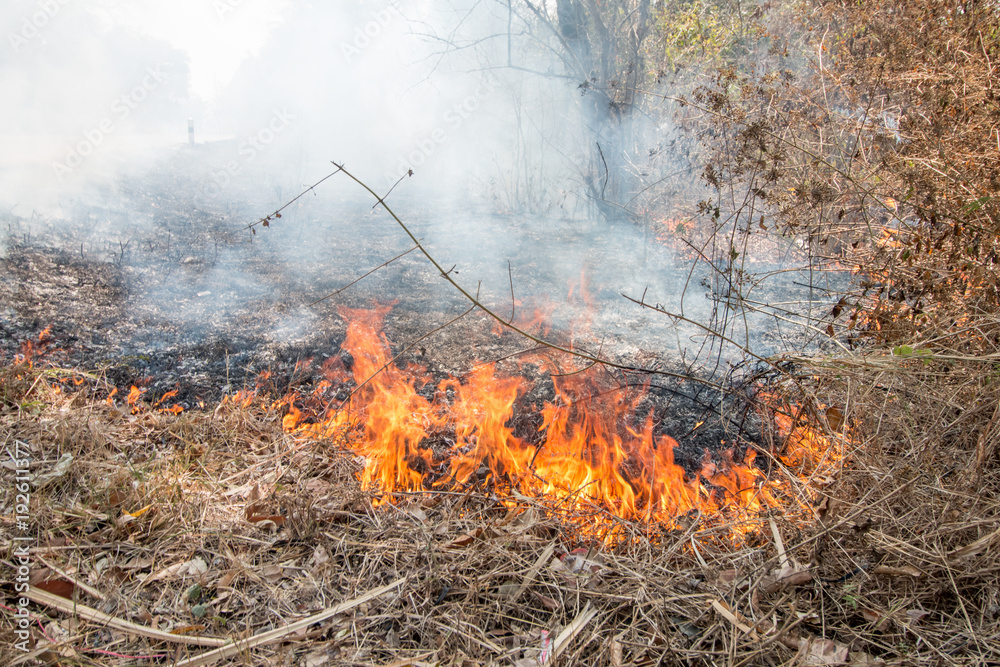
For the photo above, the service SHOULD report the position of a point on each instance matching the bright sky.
(217, 35)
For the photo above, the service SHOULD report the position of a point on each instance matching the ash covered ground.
(156, 280)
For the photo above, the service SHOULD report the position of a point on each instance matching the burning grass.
(219, 523)
(592, 447)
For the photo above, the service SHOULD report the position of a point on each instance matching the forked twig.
(474, 300)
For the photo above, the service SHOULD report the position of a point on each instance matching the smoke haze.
(95, 132)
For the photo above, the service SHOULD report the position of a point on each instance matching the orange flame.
(133, 399)
(587, 451)
(174, 409)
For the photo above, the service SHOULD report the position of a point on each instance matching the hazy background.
(93, 85)
(94, 125)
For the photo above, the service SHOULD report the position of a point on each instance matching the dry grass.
(217, 524)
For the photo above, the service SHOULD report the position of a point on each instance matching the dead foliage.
(171, 532)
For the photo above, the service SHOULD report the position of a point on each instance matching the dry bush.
(869, 131)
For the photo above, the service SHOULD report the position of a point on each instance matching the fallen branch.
(90, 614)
(474, 300)
(230, 650)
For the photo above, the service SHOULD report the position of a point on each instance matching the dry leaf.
(508, 589)
(60, 587)
(822, 509)
(527, 518)
(254, 494)
(973, 549)
(616, 653)
(417, 514)
(582, 561)
(317, 487)
(138, 563)
(56, 631)
(835, 417)
(191, 568)
(62, 467)
(689, 629)
(315, 659)
(727, 576)
(790, 574)
(139, 513)
(864, 660)
(464, 540)
(320, 557)
(905, 570)
(822, 652)
(238, 490)
(226, 579)
(545, 601)
(276, 519)
(273, 573)
(870, 616)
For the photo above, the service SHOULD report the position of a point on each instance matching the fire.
(32, 349)
(133, 399)
(591, 447)
(136, 405)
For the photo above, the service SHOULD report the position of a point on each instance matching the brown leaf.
(417, 514)
(864, 660)
(616, 653)
(835, 417)
(727, 576)
(465, 540)
(254, 495)
(317, 487)
(823, 508)
(59, 587)
(138, 563)
(790, 574)
(276, 519)
(822, 652)
(320, 557)
(583, 561)
(317, 658)
(545, 601)
(904, 571)
(54, 542)
(191, 568)
(226, 579)
(870, 615)
(41, 574)
(273, 573)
